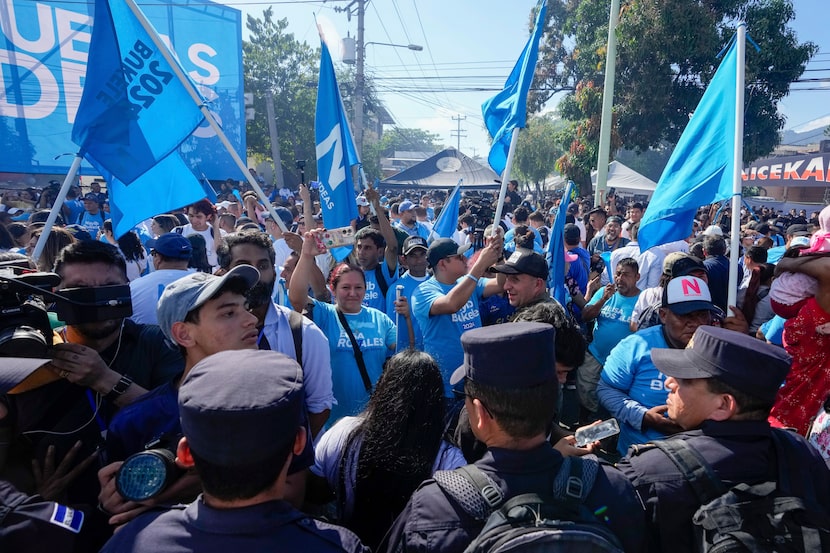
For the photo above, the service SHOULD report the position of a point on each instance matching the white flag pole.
(737, 160)
(514, 139)
(56, 207)
(168, 56)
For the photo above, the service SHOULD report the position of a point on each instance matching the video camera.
(26, 297)
(147, 473)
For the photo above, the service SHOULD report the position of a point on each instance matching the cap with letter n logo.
(686, 294)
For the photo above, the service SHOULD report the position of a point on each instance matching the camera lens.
(145, 474)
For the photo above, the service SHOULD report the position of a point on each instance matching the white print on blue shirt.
(466, 317)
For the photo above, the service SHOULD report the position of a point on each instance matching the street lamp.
(415, 47)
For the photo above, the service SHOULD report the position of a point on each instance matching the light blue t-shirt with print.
(630, 385)
(376, 334)
(611, 325)
(374, 296)
(442, 333)
(409, 283)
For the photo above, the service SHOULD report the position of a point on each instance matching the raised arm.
(298, 288)
(391, 254)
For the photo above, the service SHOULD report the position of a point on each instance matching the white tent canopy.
(626, 180)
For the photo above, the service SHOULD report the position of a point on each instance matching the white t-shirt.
(146, 291)
(207, 234)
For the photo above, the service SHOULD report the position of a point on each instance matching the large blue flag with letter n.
(447, 222)
(336, 153)
(508, 109)
(701, 168)
(556, 247)
(169, 184)
(134, 111)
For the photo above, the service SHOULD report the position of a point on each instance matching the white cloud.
(819, 123)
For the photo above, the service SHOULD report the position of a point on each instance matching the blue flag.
(701, 168)
(556, 247)
(508, 109)
(134, 111)
(169, 184)
(447, 221)
(336, 153)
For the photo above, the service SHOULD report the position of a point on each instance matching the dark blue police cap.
(753, 367)
(242, 406)
(515, 355)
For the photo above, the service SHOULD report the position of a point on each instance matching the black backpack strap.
(574, 480)
(694, 468)
(472, 489)
(295, 321)
(381, 278)
(358, 355)
(784, 442)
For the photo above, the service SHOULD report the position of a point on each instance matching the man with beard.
(101, 367)
(273, 322)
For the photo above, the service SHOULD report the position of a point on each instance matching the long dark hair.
(198, 256)
(399, 439)
(130, 246)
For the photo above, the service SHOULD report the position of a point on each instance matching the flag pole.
(56, 207)
(514, 139)
(734, 246)
(174, 65)
(607, 120)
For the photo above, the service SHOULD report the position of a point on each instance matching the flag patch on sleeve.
(68, 518)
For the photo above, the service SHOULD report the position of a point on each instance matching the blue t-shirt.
(630, 385)
(496, 310)
(611, 325)
(376, 333)
(374, 296)
(153, 415)
(409, 284)
(92, 223)
(74, 208)
(773, 330)
(442, 333)
(510, 241)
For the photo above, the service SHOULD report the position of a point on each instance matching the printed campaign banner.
(44, 49)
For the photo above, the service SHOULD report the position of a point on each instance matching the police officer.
(30, 523)
(721, 389)
(241, 414)
(510, 411)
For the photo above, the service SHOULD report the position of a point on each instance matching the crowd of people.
(274, 394)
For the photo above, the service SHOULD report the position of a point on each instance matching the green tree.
(412, 140)
(273, 60)
(667, 53)
(538, 149)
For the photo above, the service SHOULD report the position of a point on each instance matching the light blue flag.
(508, 109)
(556, 247)
(701, 168)
(168, 185)
(134, 111)
(447, 221)
(336, 153)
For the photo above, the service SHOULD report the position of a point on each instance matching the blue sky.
(473, 44)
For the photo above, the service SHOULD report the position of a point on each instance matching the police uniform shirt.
(28, 523)
(273, 525)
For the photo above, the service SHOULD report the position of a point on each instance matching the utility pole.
(359, 85)
(457, 133)
(275, 141)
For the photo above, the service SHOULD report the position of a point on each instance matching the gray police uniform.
(28, 523)
(738, 451)
(432, 521)
(270, 526)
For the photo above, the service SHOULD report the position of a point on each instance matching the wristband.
(120, 387)
(471, 277)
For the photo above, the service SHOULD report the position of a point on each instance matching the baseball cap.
(414, 242)
(798, 230)
(686, 294)
(687, 265)
(443, 247)
(615, 219)
(91, 196)
(523, 261)
(283, 213)
(14, 371)
(573, 207)
(713, 230)
(488, 350)
(732, 357)
(362, 201)
(405, 205)
(800, 242)
(240, 407)
(182, 296)
(80, 233)
(172, 245)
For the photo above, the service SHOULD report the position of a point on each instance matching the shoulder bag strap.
(705, 483)
(295, 321)
(358, 355)
(381, 278)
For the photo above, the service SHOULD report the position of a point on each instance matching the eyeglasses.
(458, 256)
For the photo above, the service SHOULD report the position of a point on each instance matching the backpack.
(555, 521)
(764, 517)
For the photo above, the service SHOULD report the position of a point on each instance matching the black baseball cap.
(523, 261)
(414, 242)
(443, 247)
